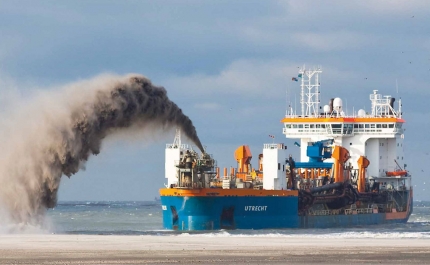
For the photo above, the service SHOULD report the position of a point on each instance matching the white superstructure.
(378, 135)
(174, 153)
(274, 156)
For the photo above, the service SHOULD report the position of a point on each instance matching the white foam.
(366, 234)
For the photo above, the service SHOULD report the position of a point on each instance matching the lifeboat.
(396, 173)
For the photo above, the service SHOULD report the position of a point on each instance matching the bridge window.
(390, 125)
(378, 125)
(287, 125)
(367, 126)
(372, 125)
(384, 125)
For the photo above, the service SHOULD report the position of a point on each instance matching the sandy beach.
(203, 249)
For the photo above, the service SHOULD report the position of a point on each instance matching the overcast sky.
(227, 64)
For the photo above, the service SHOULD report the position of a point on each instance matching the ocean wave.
(339, 235)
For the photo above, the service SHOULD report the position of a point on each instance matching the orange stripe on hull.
(353, 120)
(226, 192)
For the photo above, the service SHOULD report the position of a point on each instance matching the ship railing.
(384, 207)
(358, 211)
(386, 114)
(274, 146)
(327, 131)
(323, 212)
(350, 211)
(364, 210)
(176, 146)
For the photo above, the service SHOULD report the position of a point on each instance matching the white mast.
(177, 140)
(310, 91)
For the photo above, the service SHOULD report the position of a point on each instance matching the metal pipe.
(335, 185)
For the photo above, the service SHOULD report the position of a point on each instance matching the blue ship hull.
(247, 212)
(207, 213)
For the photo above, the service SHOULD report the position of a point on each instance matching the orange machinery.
(363, 163)
(340, 155)
(243, 157)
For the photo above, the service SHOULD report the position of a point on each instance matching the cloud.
(352, 8)
(244, 78)
(333, 41)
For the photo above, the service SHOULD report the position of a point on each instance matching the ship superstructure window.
(347, 128)
(391, 125)
(378, 125)
(384, 126)
(337, 128)
(287, 125)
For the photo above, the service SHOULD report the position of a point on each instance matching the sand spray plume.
(65, 127)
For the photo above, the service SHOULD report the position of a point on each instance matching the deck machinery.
(349, 173)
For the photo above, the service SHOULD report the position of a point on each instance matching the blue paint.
(207, 213)
(255, 212)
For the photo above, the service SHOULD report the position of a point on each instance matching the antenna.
(273, 138)
(400, 100)
(177, 140)
(309, 96)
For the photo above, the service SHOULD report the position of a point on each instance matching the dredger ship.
(351, 172)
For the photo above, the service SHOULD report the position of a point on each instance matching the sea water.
(145, 218)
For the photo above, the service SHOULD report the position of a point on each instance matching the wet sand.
(200, 249)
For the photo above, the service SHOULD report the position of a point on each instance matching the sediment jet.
(60, 145)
